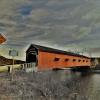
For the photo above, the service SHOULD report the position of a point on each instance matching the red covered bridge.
(45, 58)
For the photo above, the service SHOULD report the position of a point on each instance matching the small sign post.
(12, 53)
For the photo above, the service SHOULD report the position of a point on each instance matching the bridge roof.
(52, 50)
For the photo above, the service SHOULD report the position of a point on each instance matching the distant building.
(95, 61)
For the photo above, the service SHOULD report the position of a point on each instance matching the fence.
(29, 67)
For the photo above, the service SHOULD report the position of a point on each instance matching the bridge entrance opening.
(31, 61)
(32, 58)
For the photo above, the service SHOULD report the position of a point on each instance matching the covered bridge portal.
(48, 58)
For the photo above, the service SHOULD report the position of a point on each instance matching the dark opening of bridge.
(32, 57)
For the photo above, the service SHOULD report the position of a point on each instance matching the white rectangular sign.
(13, 53)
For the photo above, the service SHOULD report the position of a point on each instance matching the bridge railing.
(29, 67)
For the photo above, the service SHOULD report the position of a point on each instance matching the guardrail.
(9, 67)
(28, 67)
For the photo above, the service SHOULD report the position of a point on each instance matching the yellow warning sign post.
(2, 38)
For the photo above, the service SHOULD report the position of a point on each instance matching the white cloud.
(82, 32)
(38, 14)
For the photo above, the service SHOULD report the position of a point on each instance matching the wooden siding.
(47, 60)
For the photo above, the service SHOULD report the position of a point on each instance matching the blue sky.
(55, 23)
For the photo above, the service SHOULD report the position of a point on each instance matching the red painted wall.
(46, 61)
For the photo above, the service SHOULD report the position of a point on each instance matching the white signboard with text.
(13, 53)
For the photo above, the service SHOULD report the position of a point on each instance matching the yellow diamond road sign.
(2, 38)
